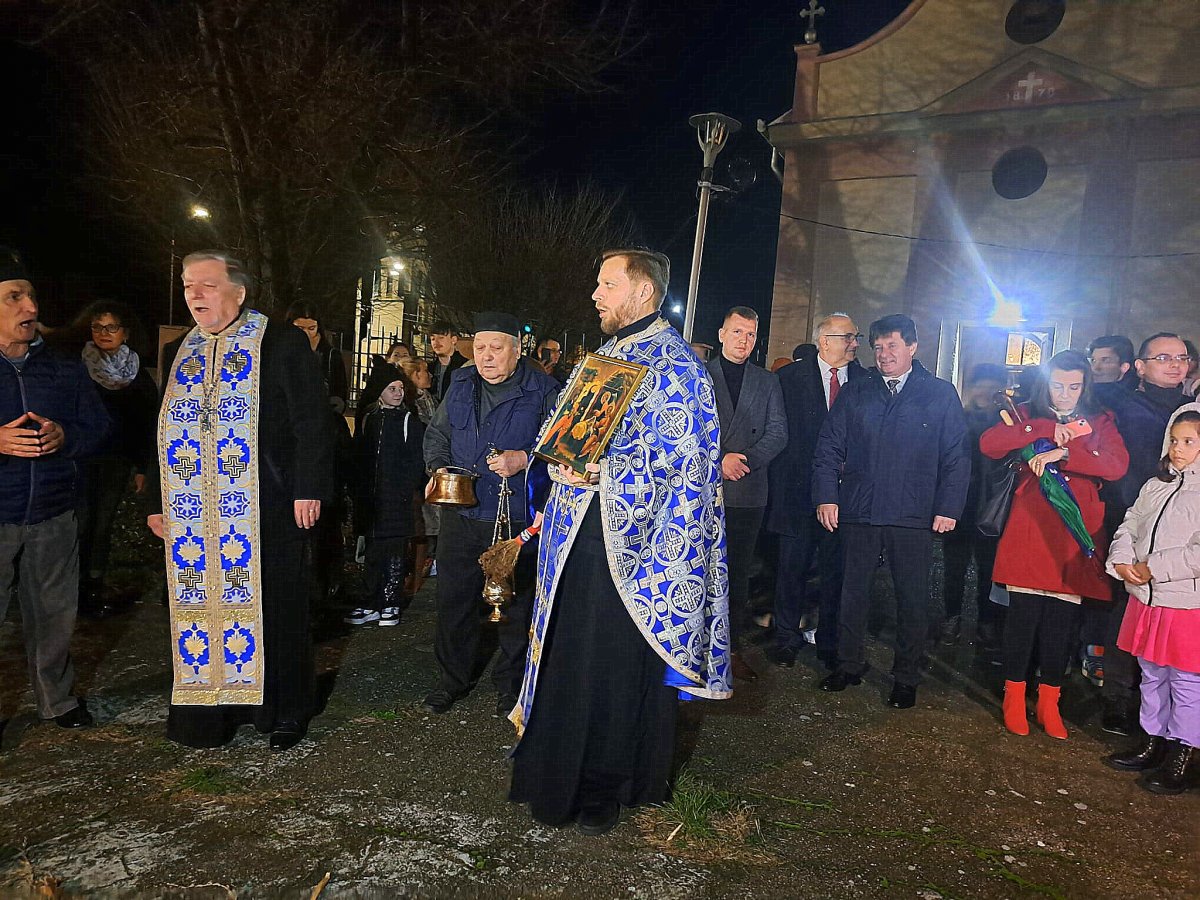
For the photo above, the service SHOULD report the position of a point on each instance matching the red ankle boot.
(1014, 707)
(1047, 712)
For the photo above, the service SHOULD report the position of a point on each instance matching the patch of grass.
(694, 805)
(703, 823)
(384, 715)
(215, 780)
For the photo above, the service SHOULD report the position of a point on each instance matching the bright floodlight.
(676, 308)
(200, 212)
(398, 267)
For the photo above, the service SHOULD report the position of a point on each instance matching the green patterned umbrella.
(1059, 494)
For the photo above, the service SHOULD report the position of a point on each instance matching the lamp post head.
(712, 131)
(201, 212)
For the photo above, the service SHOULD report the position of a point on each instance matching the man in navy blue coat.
(891, 468)
(52, 417)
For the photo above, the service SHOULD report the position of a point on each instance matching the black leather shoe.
(438, 701)
(903, 696)
(1171, 776)
(784, 657)
(839, 681)
(78, 717)
(1148, 756)
(505, 704)
(286, 735)
(598, 818)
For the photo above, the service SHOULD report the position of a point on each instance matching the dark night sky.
(729, 56)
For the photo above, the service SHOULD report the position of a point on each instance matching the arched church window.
(1030, 21)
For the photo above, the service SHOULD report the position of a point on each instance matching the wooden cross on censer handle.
(814, 9)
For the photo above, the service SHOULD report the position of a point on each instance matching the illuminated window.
(1026, 348)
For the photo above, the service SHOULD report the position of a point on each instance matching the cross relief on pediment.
(1032, 79)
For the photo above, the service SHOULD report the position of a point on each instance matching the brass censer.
(497, 582)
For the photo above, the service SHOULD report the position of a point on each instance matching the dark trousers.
(796, 552)
(910, 556)
(1122, 675)
(105, 481)
(387, 565)
(959, 547)
(742, 525)
(461, 610)
(1046, 624)
(48, 593)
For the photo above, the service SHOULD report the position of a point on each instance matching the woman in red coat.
(1038, 560)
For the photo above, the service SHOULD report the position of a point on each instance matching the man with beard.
(632, 593)
(245, 461)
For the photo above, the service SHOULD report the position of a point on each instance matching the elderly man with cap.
(487, 423)
(51, 418)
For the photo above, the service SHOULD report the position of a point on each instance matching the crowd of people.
(632, 586)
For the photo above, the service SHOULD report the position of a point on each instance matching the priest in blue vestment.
(632, 601)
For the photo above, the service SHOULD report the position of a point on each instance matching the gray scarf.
(113, 371)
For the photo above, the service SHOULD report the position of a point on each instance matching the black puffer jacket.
(390, 473)
(58, 388)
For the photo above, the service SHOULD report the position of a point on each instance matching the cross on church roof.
(814, 9)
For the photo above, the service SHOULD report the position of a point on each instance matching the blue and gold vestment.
(208, 460)
(663, 519)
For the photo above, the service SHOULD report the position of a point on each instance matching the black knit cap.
(11, 267)
(505, 323)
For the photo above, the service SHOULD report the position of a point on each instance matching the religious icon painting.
(589, 410)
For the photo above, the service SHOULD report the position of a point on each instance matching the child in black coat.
(390, 473)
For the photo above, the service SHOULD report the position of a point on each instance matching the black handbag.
(996, 502)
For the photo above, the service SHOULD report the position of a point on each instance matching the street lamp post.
(712, 131)
(196, 212)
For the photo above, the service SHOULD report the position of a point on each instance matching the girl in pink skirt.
(1156, 552)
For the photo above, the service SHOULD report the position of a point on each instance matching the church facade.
(1019, 177)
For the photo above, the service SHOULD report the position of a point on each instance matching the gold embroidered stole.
(208, 459)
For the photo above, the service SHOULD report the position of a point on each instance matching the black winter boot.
(1147, 756)
(1171, 777)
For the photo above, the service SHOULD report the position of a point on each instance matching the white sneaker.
(361, 616)
(433, 570)
(389, 615)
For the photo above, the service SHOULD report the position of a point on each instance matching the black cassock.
(295, 462)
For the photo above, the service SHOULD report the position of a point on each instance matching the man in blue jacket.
(891, 468)
(487, 423)
(51, 417)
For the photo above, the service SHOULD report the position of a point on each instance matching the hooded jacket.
(1162, 528)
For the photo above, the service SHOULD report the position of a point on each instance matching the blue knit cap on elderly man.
(497, 345)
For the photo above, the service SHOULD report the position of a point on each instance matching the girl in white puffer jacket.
(1156, 552)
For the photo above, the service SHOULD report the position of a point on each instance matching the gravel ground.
(836, 795)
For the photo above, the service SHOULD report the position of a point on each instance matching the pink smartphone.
(1078, 428)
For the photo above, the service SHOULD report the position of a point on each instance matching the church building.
(1019, 177)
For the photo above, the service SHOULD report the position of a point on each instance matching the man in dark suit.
(809, 385)
(891, 468)
(753, 431)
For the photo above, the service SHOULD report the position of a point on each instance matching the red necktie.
(834, 386)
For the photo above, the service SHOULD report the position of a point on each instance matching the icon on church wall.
(589, 410)
(1027, 348)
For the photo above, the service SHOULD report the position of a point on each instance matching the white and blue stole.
(208, 457)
